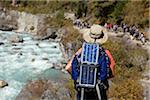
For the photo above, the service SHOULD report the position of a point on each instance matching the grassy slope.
(130, 64)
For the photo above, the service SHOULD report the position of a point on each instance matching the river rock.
(3, 84)
(51, 33)
(1, 43)
(44, 90)
(6, 28)
(15, 39)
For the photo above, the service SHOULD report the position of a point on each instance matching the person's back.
(105, 68)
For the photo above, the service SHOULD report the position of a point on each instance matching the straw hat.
(96, 34)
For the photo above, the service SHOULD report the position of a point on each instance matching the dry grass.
(130, 64)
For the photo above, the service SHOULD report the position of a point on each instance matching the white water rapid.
(20, 62)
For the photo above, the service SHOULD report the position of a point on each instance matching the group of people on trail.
(81, 24)
(133, 30)
(92, 66)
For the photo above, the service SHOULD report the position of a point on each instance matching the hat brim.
(87, 38)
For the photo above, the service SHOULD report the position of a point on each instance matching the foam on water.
(25, 61)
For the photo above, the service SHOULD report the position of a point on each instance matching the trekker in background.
(115, 28)
(142, 38)
(136, 34)
(124, 27)
(92, 58)
(110, 26)
(14, 2)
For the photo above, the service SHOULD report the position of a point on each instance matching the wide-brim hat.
(95, 30)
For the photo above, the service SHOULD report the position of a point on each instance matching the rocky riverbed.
(22, 58)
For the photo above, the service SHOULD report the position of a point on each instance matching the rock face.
(8, 20)
(3, 84)
(36, 24)
(30, 23)
(44, 90)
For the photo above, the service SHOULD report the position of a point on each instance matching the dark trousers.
(92, 94)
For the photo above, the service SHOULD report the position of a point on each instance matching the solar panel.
(90, 53)
(88, 68)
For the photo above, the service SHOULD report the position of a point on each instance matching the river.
(20, 62)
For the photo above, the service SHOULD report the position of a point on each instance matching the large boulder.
(44, 90)
(3, 83)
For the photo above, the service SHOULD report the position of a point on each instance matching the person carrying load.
(92, 66)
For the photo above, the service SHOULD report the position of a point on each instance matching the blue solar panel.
(90, 53)
(89, 60)
(87, 75)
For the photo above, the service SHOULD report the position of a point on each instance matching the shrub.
(136, 13)
(57, 20)
(130, 63)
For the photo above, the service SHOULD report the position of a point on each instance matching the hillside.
(130, 12)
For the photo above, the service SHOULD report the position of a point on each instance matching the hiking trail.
(146, 80)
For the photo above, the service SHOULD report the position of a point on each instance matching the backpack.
(91, 65)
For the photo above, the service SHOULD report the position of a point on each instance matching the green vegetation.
(130, 64)
(41, 6)
(116, 11)
(137, 13)
(70, 86)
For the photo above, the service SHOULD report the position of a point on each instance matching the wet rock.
(51, 34)
(15, 39)
(45, 58)
(3, 84)
(14, 45)
(54, 46)
(1, 43)
(6, 28)
(33, 60)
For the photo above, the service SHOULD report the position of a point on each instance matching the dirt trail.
(146, 81)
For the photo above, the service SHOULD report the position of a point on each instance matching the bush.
(130, 64)
(136, 13)
(128, 89)
(56, 21)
